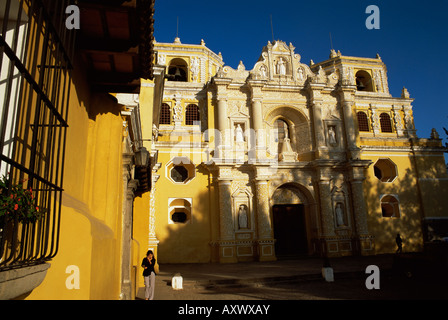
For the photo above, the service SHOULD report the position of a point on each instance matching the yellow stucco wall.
(418, 198)
(173, 246)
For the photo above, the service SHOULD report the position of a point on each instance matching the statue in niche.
(161, 59)
(339, 212)
(281, 67)
(195, 68)
(242, 217)
(350, 75)
(239, 137)
(263, 71)
(332, 135)
(300, 75)
(377, 78)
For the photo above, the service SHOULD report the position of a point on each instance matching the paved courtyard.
(300, 279)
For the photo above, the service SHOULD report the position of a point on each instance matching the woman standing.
(149, 274)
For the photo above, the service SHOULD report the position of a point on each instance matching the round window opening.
(179, 174)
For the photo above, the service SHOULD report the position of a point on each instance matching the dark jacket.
(149, 267)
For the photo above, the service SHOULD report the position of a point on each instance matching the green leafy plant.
(17, 202)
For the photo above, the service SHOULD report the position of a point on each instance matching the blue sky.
(412, 40)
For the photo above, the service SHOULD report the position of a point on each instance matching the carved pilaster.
(227, 248)
(316, 102)
(399, 128)
(409, 122)
(319, 138)
(266, 248)
(326, 208)
(365, 240)
(257, 116)
(223, 121)
(347, 93)
(129, 188)
(375, 120)
(359, 207)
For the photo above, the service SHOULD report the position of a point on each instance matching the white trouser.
(149, 286)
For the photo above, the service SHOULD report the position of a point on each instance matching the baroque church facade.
(287, 159)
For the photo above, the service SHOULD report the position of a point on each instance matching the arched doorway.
(291, 218)
(290, 230)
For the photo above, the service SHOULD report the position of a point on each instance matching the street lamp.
(142, 157)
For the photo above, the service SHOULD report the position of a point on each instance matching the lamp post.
(142, 157)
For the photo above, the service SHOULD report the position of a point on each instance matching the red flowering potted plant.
(17, 203)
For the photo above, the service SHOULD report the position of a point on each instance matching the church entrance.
(290, 230)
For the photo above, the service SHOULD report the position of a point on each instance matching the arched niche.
(298, 129)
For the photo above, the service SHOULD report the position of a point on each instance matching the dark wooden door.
(290, 230)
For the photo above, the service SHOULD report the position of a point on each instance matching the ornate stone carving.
(243, 217)
(194, 68)
(332, 135)
(161, 59)
(409, 120)
(241, 74)
(238, 109)
(225, 213)
(375, 120)
(264, 221)
(239, 137)
(398, 122)
(281, 66)
(340, 214)
(178, 114)
(377, 80)
(348, 74)
(405, 93)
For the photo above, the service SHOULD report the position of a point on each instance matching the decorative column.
(227, 245)
(223, 121)
(316, 102)
(347, 92)
(399, 128)
(266, 248)
(364, 241)
(326, 209)
(327, 237)
(129, 187)
(257, 118)
(349, 125)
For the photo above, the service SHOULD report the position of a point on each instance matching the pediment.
(279, 62)
(239, 74)
(280, 47)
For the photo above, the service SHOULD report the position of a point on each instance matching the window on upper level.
(385, 123)
(192, 115)
(178, 70)
(364, 81)
(363, 121)
(165, 114)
